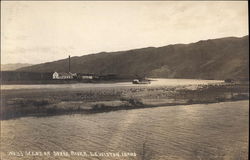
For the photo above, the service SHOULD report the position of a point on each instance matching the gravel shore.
(47, 102)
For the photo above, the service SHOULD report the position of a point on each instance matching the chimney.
(69, 63)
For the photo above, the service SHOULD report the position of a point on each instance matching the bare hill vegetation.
(210, 59)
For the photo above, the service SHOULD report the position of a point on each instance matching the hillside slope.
(210, 59)
(13, 66)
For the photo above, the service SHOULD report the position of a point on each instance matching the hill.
(13, 66)
(207, 59)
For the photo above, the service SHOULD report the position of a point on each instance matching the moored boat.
(141, 81)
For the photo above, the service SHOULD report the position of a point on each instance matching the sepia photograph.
(124, 80)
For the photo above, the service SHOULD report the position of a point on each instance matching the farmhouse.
(63, 75)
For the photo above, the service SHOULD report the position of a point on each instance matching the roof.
(64, 74)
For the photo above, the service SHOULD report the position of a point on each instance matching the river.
(203, 131)
(154, 82)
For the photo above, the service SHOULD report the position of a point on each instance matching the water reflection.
(214, 131)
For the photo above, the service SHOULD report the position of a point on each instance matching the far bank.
(97, 98)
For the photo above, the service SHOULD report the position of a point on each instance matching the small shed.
(85, 76)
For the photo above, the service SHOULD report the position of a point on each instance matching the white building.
(63, 75)
(87, 77)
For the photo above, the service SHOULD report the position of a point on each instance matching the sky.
(41, 31)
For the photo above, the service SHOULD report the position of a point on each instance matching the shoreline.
(32, 102)
(108, 109)
(63, 82)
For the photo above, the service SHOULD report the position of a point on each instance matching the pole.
(69, 63)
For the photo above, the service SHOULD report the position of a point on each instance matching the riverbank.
(63, 81)
(49, 102)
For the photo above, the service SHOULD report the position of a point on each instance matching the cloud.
(52, 28)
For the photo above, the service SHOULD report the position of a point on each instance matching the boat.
(141, 81)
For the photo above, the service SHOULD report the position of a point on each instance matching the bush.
(51, 110)
(40, 102)
(98, 106)
(240, 97)
(190, 101)
(135, 102)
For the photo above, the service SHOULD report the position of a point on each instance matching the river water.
(203, 131)
(154, 82)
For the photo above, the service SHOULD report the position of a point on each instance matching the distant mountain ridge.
(13, 66)
(207, 59)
